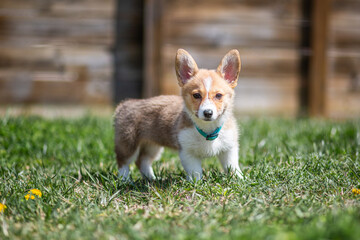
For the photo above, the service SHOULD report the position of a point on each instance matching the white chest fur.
(195, 144)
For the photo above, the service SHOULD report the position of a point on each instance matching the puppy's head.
(207, 93)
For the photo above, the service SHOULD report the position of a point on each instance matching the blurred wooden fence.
(296, 54)
(56, 51)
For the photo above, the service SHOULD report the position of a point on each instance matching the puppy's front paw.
(149, 178)
(236, 173)
(239, 174)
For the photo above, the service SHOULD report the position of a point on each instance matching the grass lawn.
(299, 180)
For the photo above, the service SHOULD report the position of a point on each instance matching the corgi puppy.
(199, 124)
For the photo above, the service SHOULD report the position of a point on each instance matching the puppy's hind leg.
(147, 154)
(124, 159)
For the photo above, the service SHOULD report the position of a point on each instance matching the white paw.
(237, 173)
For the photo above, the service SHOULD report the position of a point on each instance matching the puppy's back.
(154, 120)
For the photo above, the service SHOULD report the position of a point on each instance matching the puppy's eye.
(218, 96)
(197, 95)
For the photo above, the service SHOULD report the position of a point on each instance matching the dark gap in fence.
(128, 50)
(305, 53)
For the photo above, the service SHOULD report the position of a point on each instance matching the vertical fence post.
(152, 41)
(318, 60)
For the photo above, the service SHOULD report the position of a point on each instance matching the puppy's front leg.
(230, 161)
(192, 166)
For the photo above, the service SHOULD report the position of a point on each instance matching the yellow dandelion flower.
(356, 191)
(2, 207)
(32, 193)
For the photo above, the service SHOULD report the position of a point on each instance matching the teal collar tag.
(210, 137)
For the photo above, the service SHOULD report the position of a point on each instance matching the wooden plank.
(241, 13)
(350, 6)
(98, 9)
(286, 104)
(33, 40)
(33, 7)
(344, 84)
(231, 34)
(344, 62)
(50, 26)
(54, 57)
(343, 105)
(52, 87)
(343, 96)
(255, 62)
(267, 96)
(318, 61)
(280, 8)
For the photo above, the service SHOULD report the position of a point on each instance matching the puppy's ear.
(185, 66)
(230, 66)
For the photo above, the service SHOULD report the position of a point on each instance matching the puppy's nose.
(208, 113)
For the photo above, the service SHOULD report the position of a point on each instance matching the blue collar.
(210, 137)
